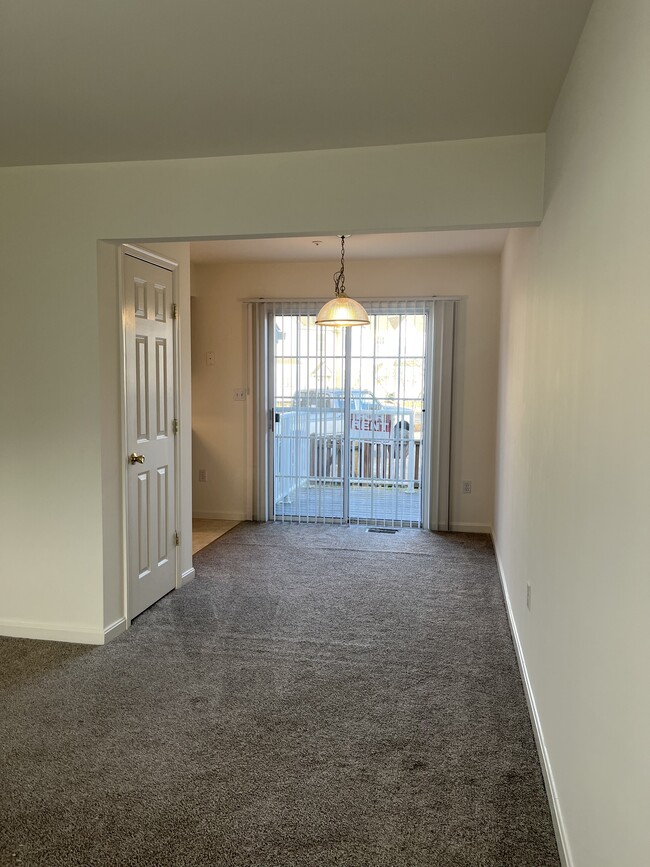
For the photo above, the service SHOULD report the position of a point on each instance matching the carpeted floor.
(318, 696)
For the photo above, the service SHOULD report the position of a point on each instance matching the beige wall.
(573, 476)
(222, 441)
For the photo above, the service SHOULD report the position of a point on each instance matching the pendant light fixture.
(342, 310)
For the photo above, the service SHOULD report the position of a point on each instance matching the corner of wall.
(111, 434)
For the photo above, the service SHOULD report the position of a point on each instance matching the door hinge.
(177, 538)
(175, 425)
(174, 311)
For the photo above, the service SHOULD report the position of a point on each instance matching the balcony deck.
(383, 506)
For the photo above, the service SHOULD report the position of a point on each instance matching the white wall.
(222, 441)
(573, 466)
(54, 388)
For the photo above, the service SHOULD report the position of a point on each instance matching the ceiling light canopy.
(342, 310)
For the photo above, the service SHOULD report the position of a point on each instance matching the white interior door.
(149, 368)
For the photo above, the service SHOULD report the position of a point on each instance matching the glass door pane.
(309, 419)
(387, 419)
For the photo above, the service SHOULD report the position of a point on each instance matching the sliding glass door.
(348, 416)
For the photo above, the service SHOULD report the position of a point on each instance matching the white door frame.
(169, 265)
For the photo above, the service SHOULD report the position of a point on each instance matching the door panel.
(162, 477)
(162, 416)
(387, 396)
(150, 401)
(140, 297)
(309, 376)
(142, 518)
(160, 303)
(142, 388)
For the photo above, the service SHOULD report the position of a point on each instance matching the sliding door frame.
(306, 307)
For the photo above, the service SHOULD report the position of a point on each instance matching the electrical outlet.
(467, 487)
(203, 475)
(239, 394)
(209, 358)
(529, 592)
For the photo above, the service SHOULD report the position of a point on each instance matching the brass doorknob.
(136, 459)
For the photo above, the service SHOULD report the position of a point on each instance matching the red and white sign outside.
(371, 423)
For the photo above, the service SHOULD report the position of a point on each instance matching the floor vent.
(382, 530)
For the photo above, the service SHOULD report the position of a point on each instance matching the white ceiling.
(328, 248)
(88, 81)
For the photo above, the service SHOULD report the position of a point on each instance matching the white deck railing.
(383, 452)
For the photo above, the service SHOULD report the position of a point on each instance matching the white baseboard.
(221, 516)
(470, 528)
(51, 632)
(551, 789)
(114, 630)
(187, 576)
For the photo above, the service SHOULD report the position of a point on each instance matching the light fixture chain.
(339, 278)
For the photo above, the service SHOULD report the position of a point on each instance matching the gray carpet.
(317, 696)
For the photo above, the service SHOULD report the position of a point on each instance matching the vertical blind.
(350, 422)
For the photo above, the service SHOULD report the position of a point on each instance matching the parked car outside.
(334, 398)
(368, 413)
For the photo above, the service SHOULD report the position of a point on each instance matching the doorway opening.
(348, 415)
(151, 448)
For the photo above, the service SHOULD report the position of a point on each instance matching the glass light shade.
(342, 311)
